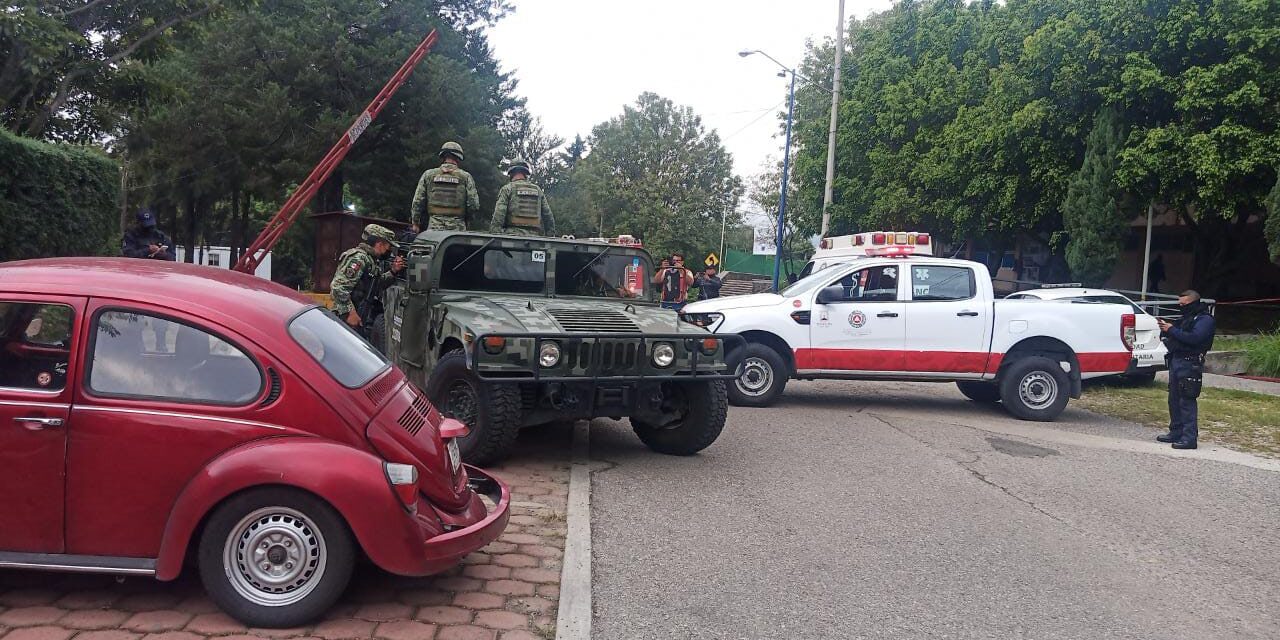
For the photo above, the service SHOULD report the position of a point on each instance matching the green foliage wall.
(55, 199)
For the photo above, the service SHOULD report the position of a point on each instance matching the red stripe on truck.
(938, 361)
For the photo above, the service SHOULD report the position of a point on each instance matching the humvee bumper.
(604, 357)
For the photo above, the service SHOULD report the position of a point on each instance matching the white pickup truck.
(920, 318)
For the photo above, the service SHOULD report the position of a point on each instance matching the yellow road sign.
(712, 260)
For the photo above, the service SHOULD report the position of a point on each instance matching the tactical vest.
(364, 286)
(446, 195)
(525, 207)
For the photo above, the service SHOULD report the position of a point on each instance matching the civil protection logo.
(857, 319)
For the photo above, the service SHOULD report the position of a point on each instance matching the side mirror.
(831, 295)
(419, 271)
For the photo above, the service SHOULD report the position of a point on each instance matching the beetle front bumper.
(445, 550)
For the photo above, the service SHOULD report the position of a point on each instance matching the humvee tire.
(492, 411)
(705, 406)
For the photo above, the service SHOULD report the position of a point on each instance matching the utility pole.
(827, 192)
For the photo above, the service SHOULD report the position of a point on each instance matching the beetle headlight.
(549, 354)
(664, 354)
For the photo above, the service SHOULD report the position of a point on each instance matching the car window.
(35, 342)
(931, 282)
(601, 276)
(493, 269)
(347, 357)
(139, 355)
(1111, 299)
(874, 284)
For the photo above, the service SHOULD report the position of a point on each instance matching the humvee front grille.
(593, 321)
(608, 355)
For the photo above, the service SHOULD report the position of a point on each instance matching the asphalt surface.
(870, 510)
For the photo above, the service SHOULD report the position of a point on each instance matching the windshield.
(345, 355)
(808, 283)
(493, 269)
(611, 275)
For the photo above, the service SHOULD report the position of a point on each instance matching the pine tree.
(1094, 225)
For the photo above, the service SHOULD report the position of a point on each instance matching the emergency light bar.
(878, 238)
(892, 251)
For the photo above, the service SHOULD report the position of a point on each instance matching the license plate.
(455, 460)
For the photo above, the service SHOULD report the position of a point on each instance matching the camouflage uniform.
(360, 274)
(446, 193)
(522, 210)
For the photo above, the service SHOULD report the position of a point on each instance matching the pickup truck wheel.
(985, 392)
(275, 557)
(492, 411)
(1034, 388)
(702, 407)
(764, 376)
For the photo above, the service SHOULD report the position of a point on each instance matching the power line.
(753, 121)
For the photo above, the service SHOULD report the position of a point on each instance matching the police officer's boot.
(1169, 437)
(1185, 444)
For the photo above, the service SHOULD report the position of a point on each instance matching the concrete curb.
(573, 619)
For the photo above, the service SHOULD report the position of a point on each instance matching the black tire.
(1034, 388)
(705, 406)
(492, 411)
(315, 530)
(764, 376)
(378, 334)
(979, 391)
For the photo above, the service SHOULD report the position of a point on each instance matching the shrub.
(56, 200)
(1264, 355)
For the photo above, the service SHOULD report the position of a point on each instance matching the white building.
(221, 257)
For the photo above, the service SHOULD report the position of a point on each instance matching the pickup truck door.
(948, 322)
(857, 324)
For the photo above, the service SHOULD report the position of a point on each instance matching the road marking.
(573, 620)
(1049, 434)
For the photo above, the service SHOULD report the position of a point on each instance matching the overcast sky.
(580, 61)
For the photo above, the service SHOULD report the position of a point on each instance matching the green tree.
(1272, 228)
(657, 173)
(1093, 223)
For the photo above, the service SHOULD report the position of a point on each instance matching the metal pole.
(724, 218)
(1146, 256)
(782, 200)
(827, 194)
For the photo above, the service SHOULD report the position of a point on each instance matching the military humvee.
(505, 332)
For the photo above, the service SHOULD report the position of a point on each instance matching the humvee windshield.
(609, 276)
(493, 269)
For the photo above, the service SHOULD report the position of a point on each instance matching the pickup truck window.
(874, 284)
(942, 283)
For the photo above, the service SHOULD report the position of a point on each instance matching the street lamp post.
(786, 167)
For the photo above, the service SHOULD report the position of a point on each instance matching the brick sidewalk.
(507, 591)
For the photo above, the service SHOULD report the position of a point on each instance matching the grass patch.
(1238, 419)
(1264, 355)
(1233, 343)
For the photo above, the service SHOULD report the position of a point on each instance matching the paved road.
(855, 510)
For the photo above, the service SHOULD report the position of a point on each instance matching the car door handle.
(38, 424)
(886, 314)
(968, 313)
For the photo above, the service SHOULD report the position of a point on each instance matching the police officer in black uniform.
(1188, 340)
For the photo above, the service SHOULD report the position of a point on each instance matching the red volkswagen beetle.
(152, 413)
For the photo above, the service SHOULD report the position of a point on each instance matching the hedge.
(56, 200)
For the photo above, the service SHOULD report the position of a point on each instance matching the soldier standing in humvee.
(446, 193)
(359, 280)
(522, 208)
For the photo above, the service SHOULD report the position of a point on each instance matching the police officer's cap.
(451, 148)
(375, 232)
(518, 165)
(146, 218)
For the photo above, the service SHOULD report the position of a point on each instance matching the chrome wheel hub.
(756, 378)
(275, 556)
(1038, 390)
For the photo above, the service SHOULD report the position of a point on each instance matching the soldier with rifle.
(360, 279)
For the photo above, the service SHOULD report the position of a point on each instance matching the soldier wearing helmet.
(522, 208)
(359, 280)
(446, 193)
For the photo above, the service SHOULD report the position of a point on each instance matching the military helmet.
(519, 165)
(451, 147)
(375, 232)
